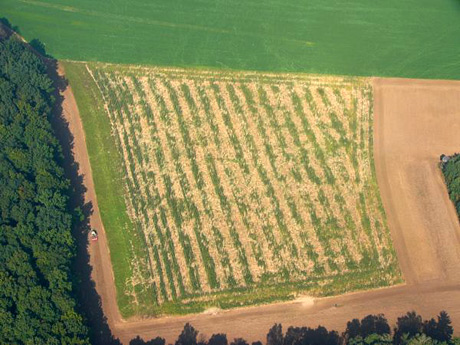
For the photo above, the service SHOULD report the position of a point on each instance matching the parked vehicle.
(93, 234)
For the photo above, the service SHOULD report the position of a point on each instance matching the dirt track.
(415, 121)
(99, 252)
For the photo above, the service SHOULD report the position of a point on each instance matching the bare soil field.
(415, 121)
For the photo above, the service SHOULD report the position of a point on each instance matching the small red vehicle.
(93, 235)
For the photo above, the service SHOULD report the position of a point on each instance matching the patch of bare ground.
(416, 122)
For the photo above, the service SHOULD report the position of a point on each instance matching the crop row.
(237, 183)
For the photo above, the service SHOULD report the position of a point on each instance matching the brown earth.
(415, 122)
(99, 251)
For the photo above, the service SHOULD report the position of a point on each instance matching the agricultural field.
(223, 189)
(411, 38)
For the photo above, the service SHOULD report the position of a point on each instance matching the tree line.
(451, 171)
(37, 304)
(410, 329)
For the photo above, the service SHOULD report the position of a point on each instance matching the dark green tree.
(275, 335)
(188, 336)
(218, 339)
(441, 329)
(408, 325)
(239, 341)
(36, 294)
(353, 329)
(311, 336)
(139, 341)
(371, 324)
(374, 324)
(451, 171)
(373, 339)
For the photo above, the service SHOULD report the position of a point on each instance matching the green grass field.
(412, 38)
(239, 188)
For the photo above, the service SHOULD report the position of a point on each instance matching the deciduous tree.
(36, 298)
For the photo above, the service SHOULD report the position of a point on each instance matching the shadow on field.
(87, 296)
(88, 300)
(7, 26)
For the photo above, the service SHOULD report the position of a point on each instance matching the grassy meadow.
(412, 38)
(224, 189)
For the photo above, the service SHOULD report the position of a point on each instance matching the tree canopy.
(36, 300)
(451, 171)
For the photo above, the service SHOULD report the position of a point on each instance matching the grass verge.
(105, 164)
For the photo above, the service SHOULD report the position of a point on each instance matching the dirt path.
(102, 273)
(415, 121)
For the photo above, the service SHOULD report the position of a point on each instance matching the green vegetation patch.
(37, 304)
(108, 178)
(451, 171)
(411, 38)
(227, 189)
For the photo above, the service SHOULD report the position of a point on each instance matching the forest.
(37, 304)
(451, 171)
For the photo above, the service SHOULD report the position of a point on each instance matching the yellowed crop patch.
(247, 187)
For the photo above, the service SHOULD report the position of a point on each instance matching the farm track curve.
(414, 122)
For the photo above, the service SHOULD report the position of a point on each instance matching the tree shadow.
(90, 304)
(89, 300)
(6, 23)
(39, 47)
(139, 341)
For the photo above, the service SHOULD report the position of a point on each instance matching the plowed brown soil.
(415, 122)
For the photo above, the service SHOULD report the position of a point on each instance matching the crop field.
(240, 188)
(411, 38)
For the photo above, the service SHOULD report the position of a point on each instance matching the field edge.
(124, 239)
(102, 156)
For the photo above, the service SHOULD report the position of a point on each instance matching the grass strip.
(106, 160)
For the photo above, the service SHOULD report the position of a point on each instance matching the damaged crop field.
(224, 189)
